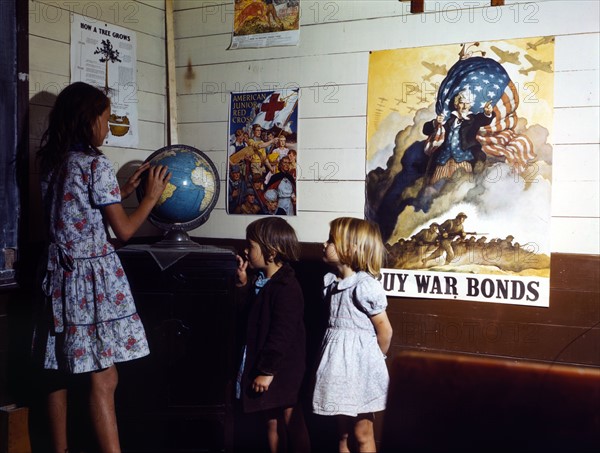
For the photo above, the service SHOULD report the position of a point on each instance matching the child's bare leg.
(277, 421)
(343, 433)
(57, 418)
(364, 433)
(299, 440)
(272, 435)
(102, 408)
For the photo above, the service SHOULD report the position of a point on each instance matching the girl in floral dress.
(352, 378)
(92, 319)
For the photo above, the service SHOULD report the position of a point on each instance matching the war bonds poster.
(104, 55)
(459, 169)
(265, 23)
(262, 152)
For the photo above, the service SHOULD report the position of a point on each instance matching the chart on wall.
(459, 169)
(265, 23)
(263, 152)
(104, 55)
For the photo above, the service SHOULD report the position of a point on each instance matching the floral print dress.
(94, 319)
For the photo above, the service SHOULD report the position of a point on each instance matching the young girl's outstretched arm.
(384, 331)
(124, 225)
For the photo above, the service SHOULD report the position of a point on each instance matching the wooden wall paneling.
(447, 402)
(330, 165)
(50, 50)
(352, 200)
(229, 226)
(576, 51)
(323, 98)
(159, 4)
(575, 235)
(204, 47)
(151, 78)
(151, 107)
(576, 88)
(49, 56)
(133, 15)
(575, 272)
(576, 162)
(204, 136)
(567, 200)
(45, 86)
(38, 121)
(211, 18)
(172, 113)
(568, 331)
(308, 71)
(52, 23)
(340, 133)
(399, 32)
(576, 125)
(487, 335)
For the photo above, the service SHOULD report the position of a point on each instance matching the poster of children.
(262, 152)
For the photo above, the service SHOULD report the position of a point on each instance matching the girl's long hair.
(71, 122)
(358, 244)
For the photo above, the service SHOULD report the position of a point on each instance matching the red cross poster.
(459, 169)
(262, 153)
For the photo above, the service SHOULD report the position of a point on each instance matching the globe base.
(177, 239)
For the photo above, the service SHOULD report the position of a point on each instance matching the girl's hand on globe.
(158, 178)
(134, 181)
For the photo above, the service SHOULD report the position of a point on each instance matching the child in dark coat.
(273, 360)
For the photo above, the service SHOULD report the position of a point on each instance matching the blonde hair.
(358, 244)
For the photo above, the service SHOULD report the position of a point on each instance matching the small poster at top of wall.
(265, 23)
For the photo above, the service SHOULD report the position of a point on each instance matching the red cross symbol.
(271, 107)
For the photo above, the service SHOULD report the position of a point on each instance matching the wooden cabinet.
(178, 399)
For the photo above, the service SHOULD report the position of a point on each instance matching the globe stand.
(176, 239)
(191, 168)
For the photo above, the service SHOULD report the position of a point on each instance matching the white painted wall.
(330, 66)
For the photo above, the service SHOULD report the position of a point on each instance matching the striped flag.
(487, 80)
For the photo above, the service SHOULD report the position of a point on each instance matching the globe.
(190, 195)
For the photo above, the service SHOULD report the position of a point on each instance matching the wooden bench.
(457, 402)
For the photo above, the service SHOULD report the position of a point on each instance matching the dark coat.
(275, 342)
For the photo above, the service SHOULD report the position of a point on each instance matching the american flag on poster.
(459, 169)
(487, 81)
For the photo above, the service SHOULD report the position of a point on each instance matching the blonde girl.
(352, 377)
